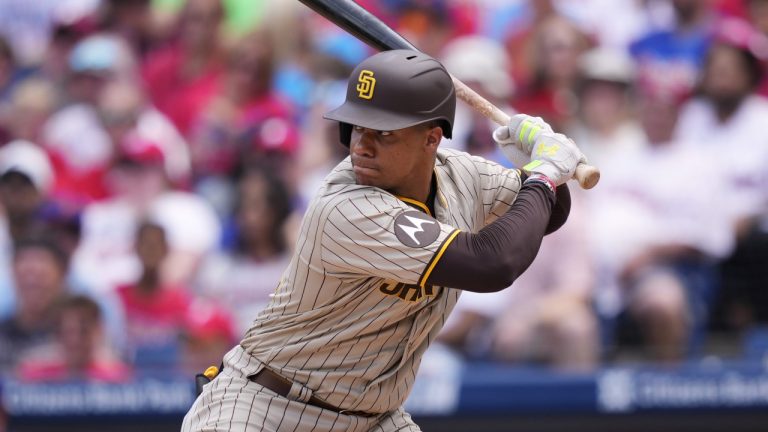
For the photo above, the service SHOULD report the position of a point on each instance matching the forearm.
(494, 257)
(561, 210)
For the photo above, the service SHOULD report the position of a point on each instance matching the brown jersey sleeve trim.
(436, 257)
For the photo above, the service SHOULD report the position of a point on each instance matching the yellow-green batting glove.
(555, 156)
(521, 132)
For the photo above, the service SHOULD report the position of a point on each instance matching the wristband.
(541, 178)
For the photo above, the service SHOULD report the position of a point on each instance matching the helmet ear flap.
(345, 133)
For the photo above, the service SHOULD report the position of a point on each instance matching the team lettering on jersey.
(407, 292)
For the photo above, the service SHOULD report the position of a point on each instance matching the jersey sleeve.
(499, 187)
(374, 233)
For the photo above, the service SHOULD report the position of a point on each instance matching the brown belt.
(282, 386)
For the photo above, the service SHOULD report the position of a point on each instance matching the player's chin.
(366, 181)
(366, 176)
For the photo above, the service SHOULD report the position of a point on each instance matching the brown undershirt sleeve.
(493, 258)
(561, 210)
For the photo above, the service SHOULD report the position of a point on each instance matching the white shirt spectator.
(105, 257)
(740, 145)
(76, 133)
(655, 196)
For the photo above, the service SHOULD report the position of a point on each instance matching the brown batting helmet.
(396, 89)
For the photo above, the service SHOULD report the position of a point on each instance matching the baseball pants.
(232, 402)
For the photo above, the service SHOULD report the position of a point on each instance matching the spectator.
(39, 270)
(320, 150)
(245, 121)
(294, 51)
(617, 23)
(104, 258)
(132, 21)
(605, 127)
(31, 25)
(183, 77)
(757, 12)
(30, 106)
(677, 54)
(79, 351)
(11, 73)
(520, 33)
(304, 60)
(656, 233)
(557, 46)
(243, 279)
(430, 24)
(126, 115)
(726, 117)
(7, 69)
(727, 111)
(80, 149)
(154, 310)
(483, 65)
(208, 334)
(548, 316)
(140, 189)
(545, 317)
(65, 34)
(26, 177)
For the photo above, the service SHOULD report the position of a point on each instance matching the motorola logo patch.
(416, 229)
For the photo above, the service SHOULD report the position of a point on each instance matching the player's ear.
(434, 136)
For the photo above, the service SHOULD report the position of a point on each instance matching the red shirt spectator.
(260, 127)
(176, 93)
(246, 121)
(182, 78)
(208, 335)
(76, 189)
(155, 312)
(153, 318)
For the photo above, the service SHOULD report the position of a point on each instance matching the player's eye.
(360, 129)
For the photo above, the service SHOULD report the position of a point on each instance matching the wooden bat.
(365, 26)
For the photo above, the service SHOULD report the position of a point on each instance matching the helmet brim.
(372, 117)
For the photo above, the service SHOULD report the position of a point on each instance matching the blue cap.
(95, 53)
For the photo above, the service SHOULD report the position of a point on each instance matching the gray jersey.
(352, 314)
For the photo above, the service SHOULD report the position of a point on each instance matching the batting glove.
(555, 156)
(521, 133)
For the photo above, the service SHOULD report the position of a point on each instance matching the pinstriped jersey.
(353, 314)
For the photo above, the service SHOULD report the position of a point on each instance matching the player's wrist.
(539, 178)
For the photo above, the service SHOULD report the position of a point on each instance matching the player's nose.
(363, 142)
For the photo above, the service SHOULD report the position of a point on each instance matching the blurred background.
(156, 157)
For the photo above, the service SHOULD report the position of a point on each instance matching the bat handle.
(587, 175)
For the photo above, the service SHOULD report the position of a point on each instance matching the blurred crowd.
(156, 157)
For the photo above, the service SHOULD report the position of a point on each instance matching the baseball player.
(394, 235)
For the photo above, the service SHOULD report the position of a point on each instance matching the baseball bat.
(368, 28)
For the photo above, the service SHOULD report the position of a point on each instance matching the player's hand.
(521, 133)
(555, 156)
